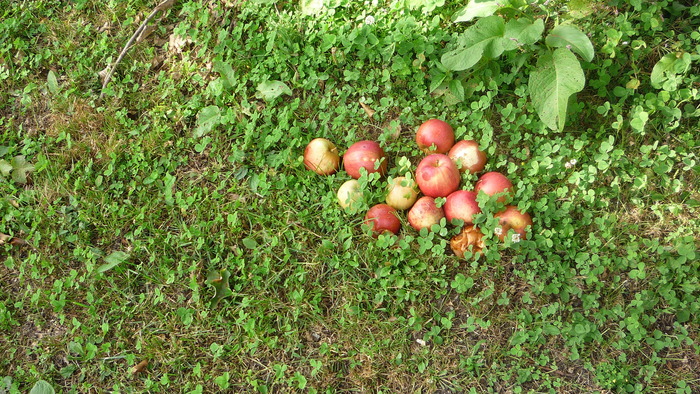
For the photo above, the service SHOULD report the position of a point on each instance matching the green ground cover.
(168, 238)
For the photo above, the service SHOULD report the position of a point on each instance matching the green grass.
(137, 203)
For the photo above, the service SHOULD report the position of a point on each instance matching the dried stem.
(164, 5)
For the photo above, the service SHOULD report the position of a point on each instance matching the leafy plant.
(17, 168)
(557, 75)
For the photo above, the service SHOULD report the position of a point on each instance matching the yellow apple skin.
(349, 193)
(402, 197)
(321, 156)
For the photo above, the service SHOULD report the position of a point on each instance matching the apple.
(349, 193)
(382, 218)
(435, 132)
(402, 193)
(437, 175)
(461, 205)
(321, 156)
(493, 183)
(467, 156)
(424, 213)
(512, 218)
(364, 154)
(470, 236)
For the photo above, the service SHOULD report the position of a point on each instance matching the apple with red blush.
(494, 183)
(435, 136)
(467, 156)
(461, 205)
(512, 218)
(437, 175)
(321, 156)
(425, 213)
(382, 218)
(364, 154)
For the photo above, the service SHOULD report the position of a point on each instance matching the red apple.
(512, 218)
(424, 213)
(435, 132)
(437, 176)
(363, 154)
(321, 156)
(461, 205)
(493, 183)
(402, 193)
(467, 156)
(382, 218)
(349, 193)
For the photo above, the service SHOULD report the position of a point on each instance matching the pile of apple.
(437, 175)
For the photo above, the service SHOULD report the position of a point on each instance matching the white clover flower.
(421, 342)
(369, 20)
(515, 238)
(570, 163)
(498, 230)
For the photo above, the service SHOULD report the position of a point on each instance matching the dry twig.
(162, 6)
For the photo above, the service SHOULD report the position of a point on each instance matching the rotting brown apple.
(470, 238)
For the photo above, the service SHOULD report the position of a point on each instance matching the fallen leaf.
(103, 73)
(176, 44)
(270, 90)
(140, 367)
(14, 241)
(369, 111)
(111, 261)
(392, 128)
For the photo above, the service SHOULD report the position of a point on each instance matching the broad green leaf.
(479, 9)
(219, 280)
(270, 90)
(581, 8)
(250, 243)
(484, 38)
(568, 36)
(20, 169)
(556, 77)
(669, 65)
(523, 32)
(113, 260)
(457, 89)
(5, 168)
(227, 73)
(42, 387)
(207, 118)
(52, 82)
(311, 7)
(426, 6)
